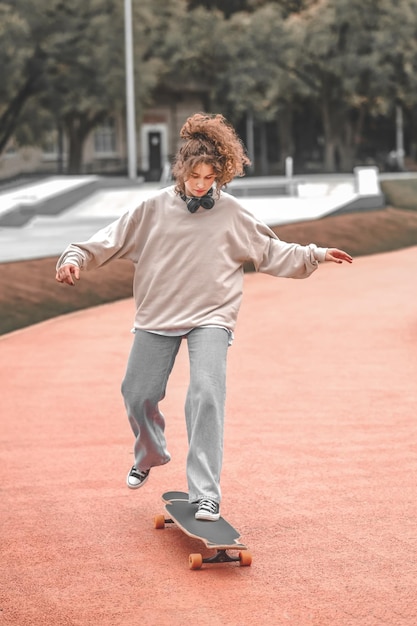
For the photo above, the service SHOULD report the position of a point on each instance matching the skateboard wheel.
(245, 558)
(195, 561)
(159, 521)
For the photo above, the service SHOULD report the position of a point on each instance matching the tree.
(337, 61)
(192, 52)
(65, 64)
(88, 73)
(22, 62)
(346, 61)
(255, 82)
(85, 70)
(72, 66)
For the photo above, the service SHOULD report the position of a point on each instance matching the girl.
(189, 243)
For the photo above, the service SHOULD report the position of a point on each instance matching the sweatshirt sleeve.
(272, 256)
(115, 241)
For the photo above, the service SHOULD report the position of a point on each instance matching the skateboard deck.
(218, 535)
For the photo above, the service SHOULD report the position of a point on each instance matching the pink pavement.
(319, 472)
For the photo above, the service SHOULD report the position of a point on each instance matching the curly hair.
(209, 139)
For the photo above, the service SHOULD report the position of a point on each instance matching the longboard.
(219, 535)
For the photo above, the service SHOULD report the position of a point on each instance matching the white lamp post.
(130, 94)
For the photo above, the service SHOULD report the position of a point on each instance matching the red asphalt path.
(319, 472)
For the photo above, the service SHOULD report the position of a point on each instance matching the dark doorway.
(155, 155)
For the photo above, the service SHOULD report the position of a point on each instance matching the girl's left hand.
(337, 256)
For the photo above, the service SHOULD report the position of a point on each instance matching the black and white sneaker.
(208, 510)
(136, 478)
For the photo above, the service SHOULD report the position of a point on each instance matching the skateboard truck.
(222, 556)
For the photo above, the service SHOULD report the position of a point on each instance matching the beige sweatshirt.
(189, 267)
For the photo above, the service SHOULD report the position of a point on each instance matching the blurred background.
(93, 94)
(332, 84)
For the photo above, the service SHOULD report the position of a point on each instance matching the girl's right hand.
(67, 273)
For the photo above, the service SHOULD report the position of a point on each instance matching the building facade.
(105, 150)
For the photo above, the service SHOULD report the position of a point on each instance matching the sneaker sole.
(202, 517)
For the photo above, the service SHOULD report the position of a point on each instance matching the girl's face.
(200, 180)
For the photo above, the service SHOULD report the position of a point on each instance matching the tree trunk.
(263, 149)
(9, 119)
(32, 85)
(75, 126)
(346, 157)
(329, 141)
(350, 139)
(286, 138)
(75, 156)
(78, 126)
(250, 140)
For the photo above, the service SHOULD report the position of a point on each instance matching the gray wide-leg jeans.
(150, 363)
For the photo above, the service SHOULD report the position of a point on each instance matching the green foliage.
(355, 59)
(250, 85)
(228, 7)
(12, 58)
(70, 65)
(85, 69)
(189, 58)
(22, 62)
(157, 35)
(341, 62)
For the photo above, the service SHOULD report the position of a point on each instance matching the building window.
(105, 139)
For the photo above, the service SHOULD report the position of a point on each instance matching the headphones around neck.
(207, 201)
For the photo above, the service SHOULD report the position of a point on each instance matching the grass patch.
(360, 234)
(29, 292)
